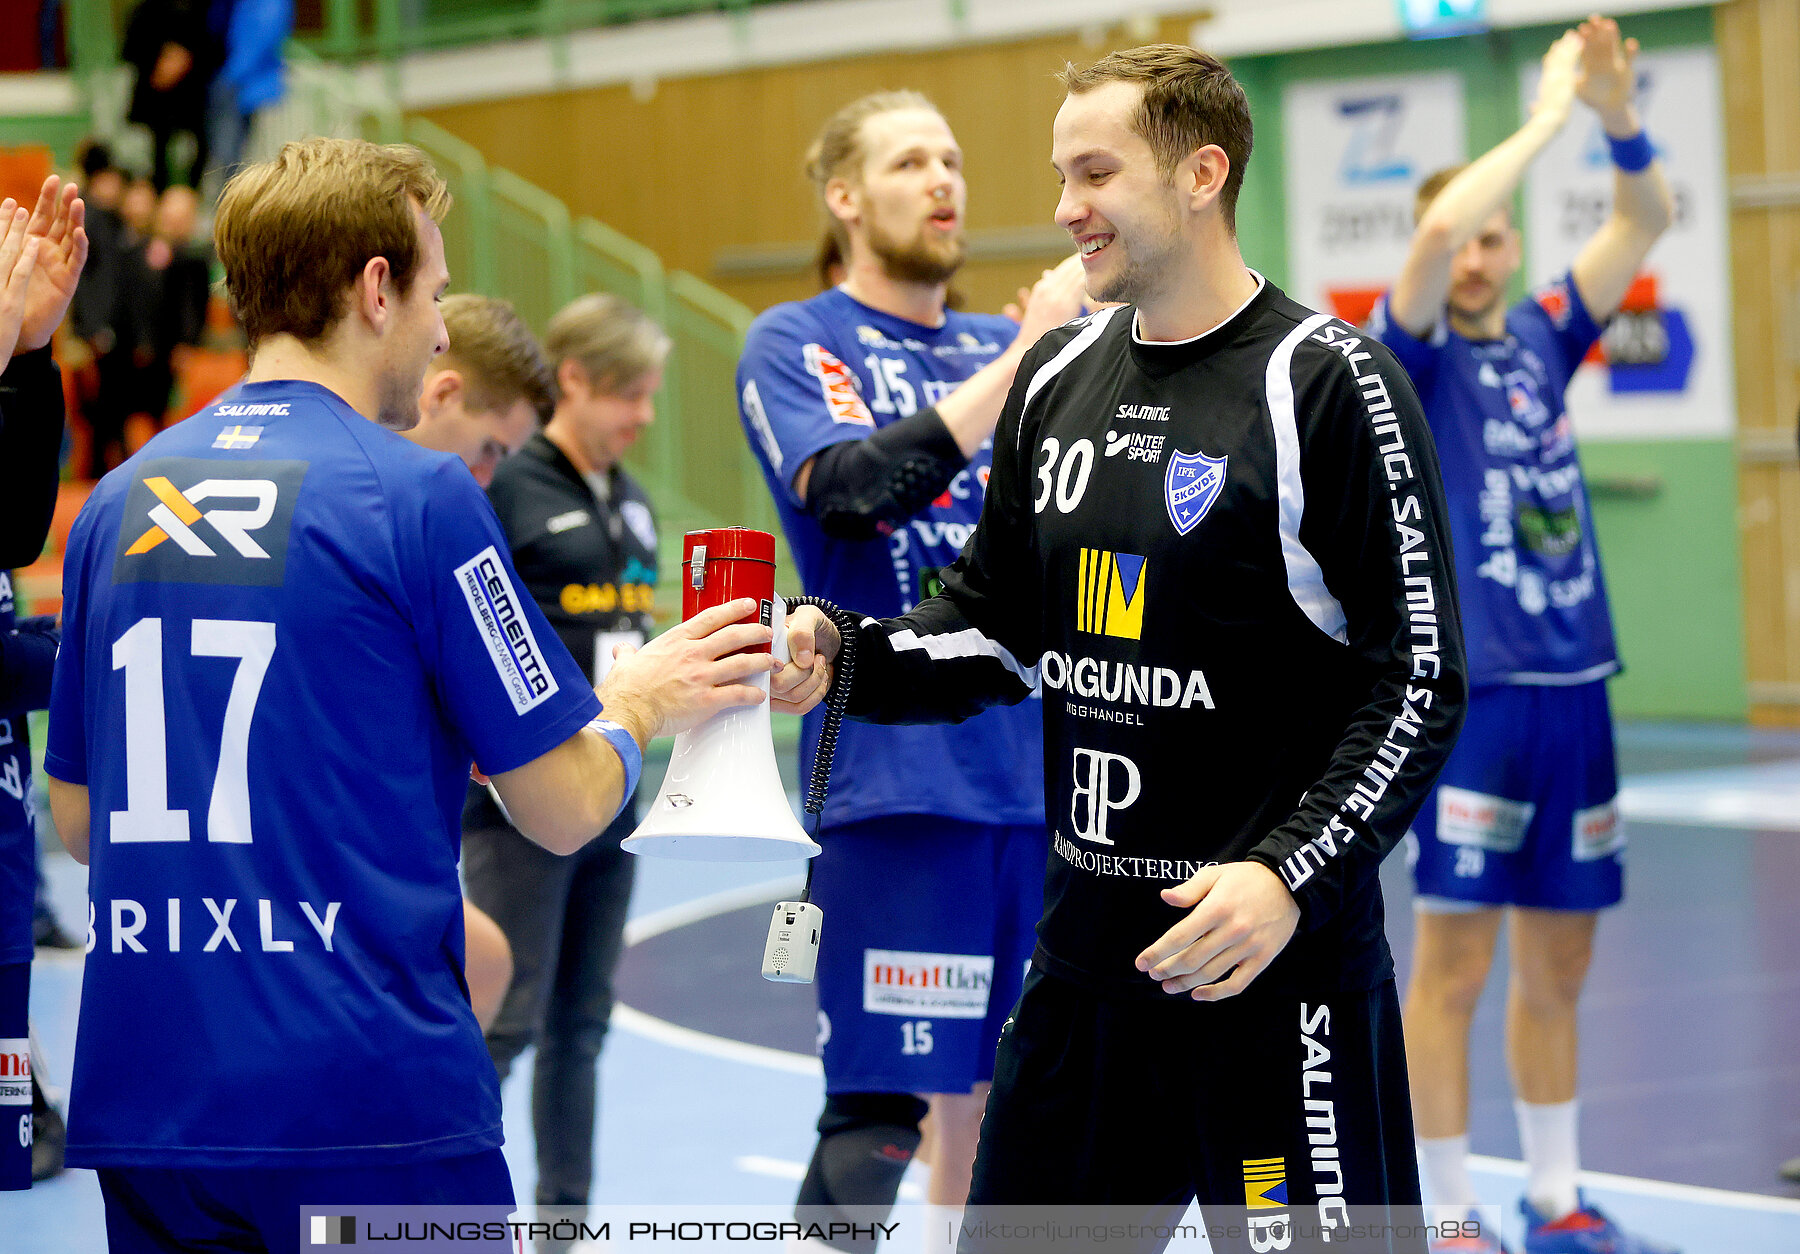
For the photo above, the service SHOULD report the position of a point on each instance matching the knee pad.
(866, 1142)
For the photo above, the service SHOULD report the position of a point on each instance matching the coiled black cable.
(837, 696)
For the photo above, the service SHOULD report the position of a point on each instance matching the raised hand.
(18, 261)
(58, 223)
(1607, 77)
(1561, 72)
(1056, 298)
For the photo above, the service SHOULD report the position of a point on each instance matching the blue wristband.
(631, 756)
(1633, 154)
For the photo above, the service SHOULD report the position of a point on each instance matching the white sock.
(1547, 1134)
(940, 1228)
(1445, 1162)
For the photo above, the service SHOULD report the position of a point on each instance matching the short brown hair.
(497, 354)
(837, 151)
(612, 340)
(293, 233)
(1433, 187)
(1190, 100)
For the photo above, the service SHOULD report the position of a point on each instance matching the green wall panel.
(1672, 567)
(61, 131)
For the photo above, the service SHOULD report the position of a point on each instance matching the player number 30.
(139, 653)
(1067, 479)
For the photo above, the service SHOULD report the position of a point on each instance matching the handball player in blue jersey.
(1523, 823)
(288, 632)
(870, 408)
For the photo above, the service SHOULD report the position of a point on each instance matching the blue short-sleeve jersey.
(287, 633)
(818, 372)
(1527, 566)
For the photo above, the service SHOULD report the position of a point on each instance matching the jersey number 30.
(1069, 479)
(139, 653)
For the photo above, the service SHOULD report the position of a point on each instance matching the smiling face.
(1125, 218)
(906, 205)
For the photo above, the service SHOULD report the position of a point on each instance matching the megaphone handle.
(836, 698)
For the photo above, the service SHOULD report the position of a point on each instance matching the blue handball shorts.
(1526, 811)
(160, 1210)
(929, 926)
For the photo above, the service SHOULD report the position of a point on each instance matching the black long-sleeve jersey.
(588, 559)
(31, 431)
(1228, 560)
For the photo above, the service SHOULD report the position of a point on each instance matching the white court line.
(725, 901)
(1697, 1194)
(683, 914)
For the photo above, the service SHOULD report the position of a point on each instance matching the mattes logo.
(932, 986)
(196, 520)
(1103, 782)
(1109, 594)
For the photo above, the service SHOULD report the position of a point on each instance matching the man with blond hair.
(871, 408)
(1215, 527)
(486, 395)
(584, 543)
(287, 633)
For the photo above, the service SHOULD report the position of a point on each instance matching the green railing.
(515, 240)
(507, 237)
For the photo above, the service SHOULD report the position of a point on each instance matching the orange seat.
(23, 169)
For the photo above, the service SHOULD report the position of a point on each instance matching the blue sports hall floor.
(1690, 1055)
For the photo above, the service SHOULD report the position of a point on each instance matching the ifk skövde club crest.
(1190, 487)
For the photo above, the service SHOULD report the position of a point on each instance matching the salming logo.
(1109, 594)
(175, 516)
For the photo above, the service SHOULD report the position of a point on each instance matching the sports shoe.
(48, 1136)
(1482, 1238)
(1585, 1230)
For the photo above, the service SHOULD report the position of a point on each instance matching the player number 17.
(139, 653)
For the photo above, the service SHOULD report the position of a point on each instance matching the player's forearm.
(569, 795)
(971, 411)
(1642, 199)
(1467, 201)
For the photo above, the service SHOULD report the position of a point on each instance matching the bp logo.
(1190, 486)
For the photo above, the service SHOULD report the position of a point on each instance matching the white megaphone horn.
(722, 799)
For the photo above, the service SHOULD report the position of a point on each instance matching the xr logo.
(175, 515)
